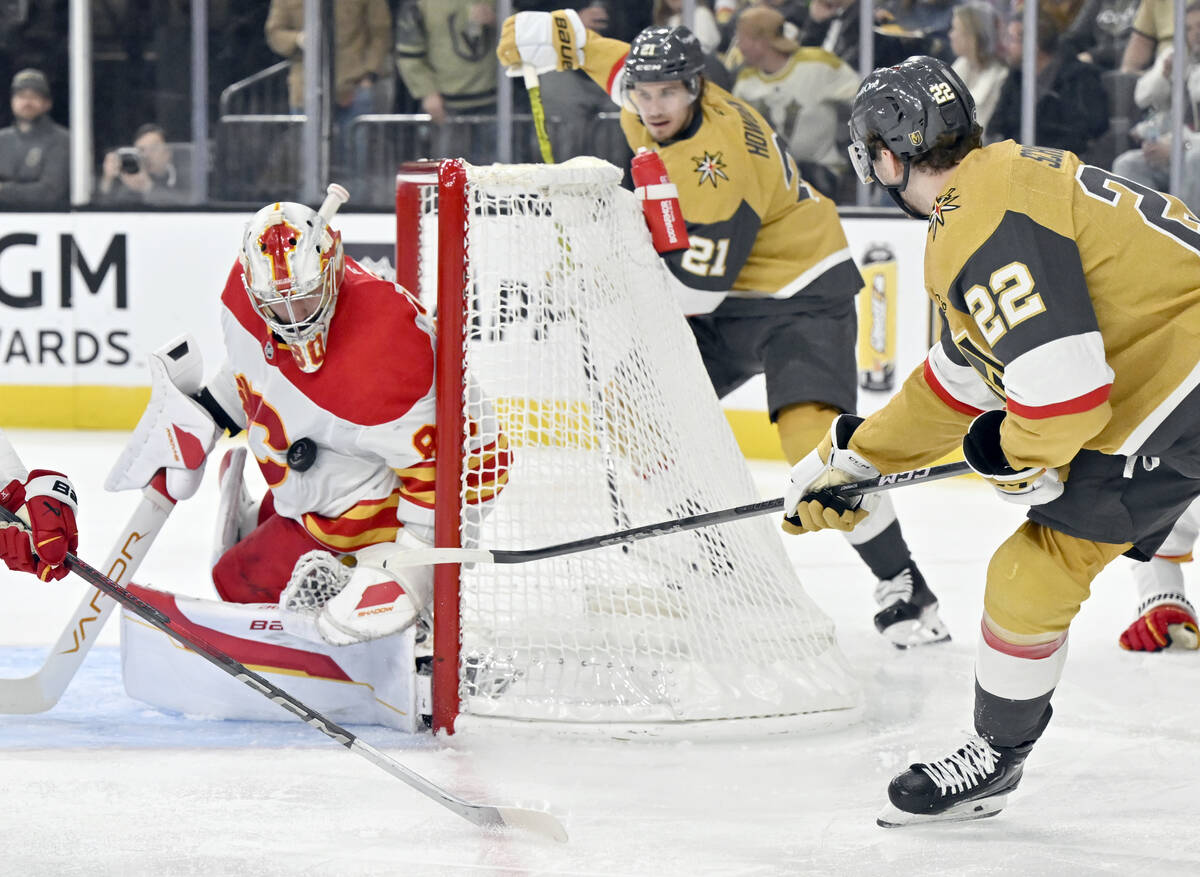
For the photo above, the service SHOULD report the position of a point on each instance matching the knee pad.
(1037, 580)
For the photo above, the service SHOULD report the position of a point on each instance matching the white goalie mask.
(292, 267)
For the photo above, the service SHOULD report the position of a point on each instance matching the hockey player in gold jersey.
(1069, 371)
(768, 280)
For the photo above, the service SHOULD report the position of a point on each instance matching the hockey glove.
(981, 446)
(1166, 622)
(326, 600)
(545, 40)
(808, 505)
(46, 500)
(176, 433)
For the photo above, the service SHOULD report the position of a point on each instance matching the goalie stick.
(538, 821)
(424, 556)
(181, 361)
(42, 689)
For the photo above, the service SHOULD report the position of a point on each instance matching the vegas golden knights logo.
(877, 319)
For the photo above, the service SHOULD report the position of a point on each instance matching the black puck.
(302, 454)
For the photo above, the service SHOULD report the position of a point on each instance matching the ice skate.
(972, 782)
(909, 615)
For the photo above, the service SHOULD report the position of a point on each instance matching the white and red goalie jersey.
(368, 413)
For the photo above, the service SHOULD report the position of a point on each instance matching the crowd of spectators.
(795, 60)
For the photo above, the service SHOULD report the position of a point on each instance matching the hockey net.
(557, 330)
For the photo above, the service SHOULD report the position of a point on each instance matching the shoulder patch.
(942, 205)
(710, 167)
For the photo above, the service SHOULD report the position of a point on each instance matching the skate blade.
(927, 630)
(893, 817)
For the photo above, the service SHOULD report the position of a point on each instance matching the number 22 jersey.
(1071, 298)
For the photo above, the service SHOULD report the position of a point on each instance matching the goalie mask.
(292, 267)
(662, 54)
(909, 107)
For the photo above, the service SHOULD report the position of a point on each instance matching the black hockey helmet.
(663, 54)
(660, 54)
(908, 107)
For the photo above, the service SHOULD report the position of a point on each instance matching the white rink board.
(84, 297)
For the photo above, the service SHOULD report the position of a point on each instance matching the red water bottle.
(660, 202)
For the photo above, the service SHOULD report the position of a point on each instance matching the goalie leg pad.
(373, 682)
(237, 513)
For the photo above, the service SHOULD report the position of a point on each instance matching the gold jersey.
(757, 230)
(1071, 299)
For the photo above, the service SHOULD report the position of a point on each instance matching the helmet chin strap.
(894, 192)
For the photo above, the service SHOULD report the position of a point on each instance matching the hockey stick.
(41, 690)
(539, 821)
(425, 556)
(539, 112)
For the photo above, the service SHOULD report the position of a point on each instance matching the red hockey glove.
(1166, 622)
(47, 500)
(981, 447)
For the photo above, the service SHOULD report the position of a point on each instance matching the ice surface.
(103, 785)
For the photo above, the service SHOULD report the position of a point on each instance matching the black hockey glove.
(981, 446)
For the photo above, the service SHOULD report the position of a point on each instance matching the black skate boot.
(970, 783)
(909, 616)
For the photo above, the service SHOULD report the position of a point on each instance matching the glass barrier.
(221, 84)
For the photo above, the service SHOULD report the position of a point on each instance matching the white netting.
(577, 344)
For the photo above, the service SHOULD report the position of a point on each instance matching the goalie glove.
(808, 505)
(1166, 622)
(544, 40)
(175, 432)
(327, 600)
(46, 501)
(981, 446)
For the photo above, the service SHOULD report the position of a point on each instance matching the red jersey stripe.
(612, 74)
(942, 393)
(1079, 404)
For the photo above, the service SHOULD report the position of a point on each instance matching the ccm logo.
(566, 41)
(898, 477)
(263, 624)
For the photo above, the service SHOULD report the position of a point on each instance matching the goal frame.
(450, 182)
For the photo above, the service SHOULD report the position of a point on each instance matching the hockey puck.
(302, 454)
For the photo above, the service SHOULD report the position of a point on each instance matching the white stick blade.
(538, 821)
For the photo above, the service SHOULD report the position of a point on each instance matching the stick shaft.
(539, 112)
(636, 534)
(708, 519)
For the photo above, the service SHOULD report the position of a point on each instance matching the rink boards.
(86, 297)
